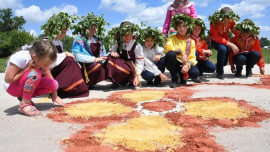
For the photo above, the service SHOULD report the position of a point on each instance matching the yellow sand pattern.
(96, 109)
(216, 109)
(140, 96)
(44, 100)
(146, 133)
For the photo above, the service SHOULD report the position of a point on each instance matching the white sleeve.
(151, 67)
(160, 50)
(18, 60)
(139, 61)
(60, 58)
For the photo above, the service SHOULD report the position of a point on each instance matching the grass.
(213, 58)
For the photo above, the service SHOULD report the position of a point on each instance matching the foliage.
(115, 35)
(83, 27)
(67, 43)
(247, 26)
(9, 23)
(155, 34)
(200, 23)
(12, 41)
(188, 21)
(218, 16)
(264, 42)
(57, 23)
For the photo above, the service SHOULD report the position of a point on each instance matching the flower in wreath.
(200, 22)
(225, 12)
(153, 33)
(247, 26)
(188, 21)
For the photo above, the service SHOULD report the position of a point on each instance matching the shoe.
(114, 86)
(249, 72)
(173, 85)
(149, 83)
(196, 80)
(220, 76)
(238, 73)
(183, 82)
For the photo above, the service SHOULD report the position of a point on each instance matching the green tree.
(9, 23)
(67, 43)
(264, 42)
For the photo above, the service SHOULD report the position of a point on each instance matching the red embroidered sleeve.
(215, 35)
(257, 47)
(232, 28)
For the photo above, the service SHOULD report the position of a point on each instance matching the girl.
(180, 51)
(89, 49)
(154, 65)
(202, 51)
(23, 76)
(249, 49)
(73, 85)
(126, 61)
(178, 7)
(220, 23)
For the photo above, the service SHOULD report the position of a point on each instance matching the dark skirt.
(70, 80)
(120, 71)
(95, 72)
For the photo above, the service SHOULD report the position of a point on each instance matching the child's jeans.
(32, 84)
(222, 56)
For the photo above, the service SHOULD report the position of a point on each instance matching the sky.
(151, 12)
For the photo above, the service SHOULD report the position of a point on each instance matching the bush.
(9, 42)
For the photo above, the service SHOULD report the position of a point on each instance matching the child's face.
(182, 29)
(197, 31)
(226, 20)
(62, 35)
(42, 62)
(149, 42)
(246, 35)
(92, 30)
(128, 37)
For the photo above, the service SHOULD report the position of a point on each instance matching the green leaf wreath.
(154, 33)
(188, 21)
(84, 25)
(200, 23)
(247, 26)
(115, 35)
(57, 23)
(218, 16)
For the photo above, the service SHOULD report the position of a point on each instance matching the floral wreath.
(188, 21)
(115, 35)
(154, 34)
(247, 26)
(57, 23)
(218, 16)
(83, 26)
(200, 23)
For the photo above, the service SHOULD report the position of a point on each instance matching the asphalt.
(31, 134)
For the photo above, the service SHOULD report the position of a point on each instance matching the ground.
(218, 115)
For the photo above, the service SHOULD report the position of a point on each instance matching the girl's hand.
(57, 100)
(100, 59)
(163, 77)
(70, 54)
(185, 69)
(31, 65)
(262, 70)
(207, 52)
(115, 54)
(136, 81)
(185, 59)
(157, 58)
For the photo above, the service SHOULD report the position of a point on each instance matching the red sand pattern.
(159, 106)
(194, 134)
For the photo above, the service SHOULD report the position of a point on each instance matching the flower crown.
(200, 22)
(154, 34)
(57, 23)
(84, 25)
(247, 26)
(188, 21)
(218, 16)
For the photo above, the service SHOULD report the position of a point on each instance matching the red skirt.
(96, 72)
(120, 71)
(69, 77)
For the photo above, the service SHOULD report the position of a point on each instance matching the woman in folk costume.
(126, 61)
(65, 70)
(178, 7)
(202, 51)
(88, 48)
(154, 57)
(221, 22)
(180, 51)
(249, 49)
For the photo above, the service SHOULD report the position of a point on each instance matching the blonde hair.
(43, 49)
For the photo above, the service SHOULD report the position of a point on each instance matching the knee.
(240, 59)
(170, 55)
(256, 54)
(146, 75)
(194, 72)
(212, 68)
(222, 49)
(35, 75)
(54, 86)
